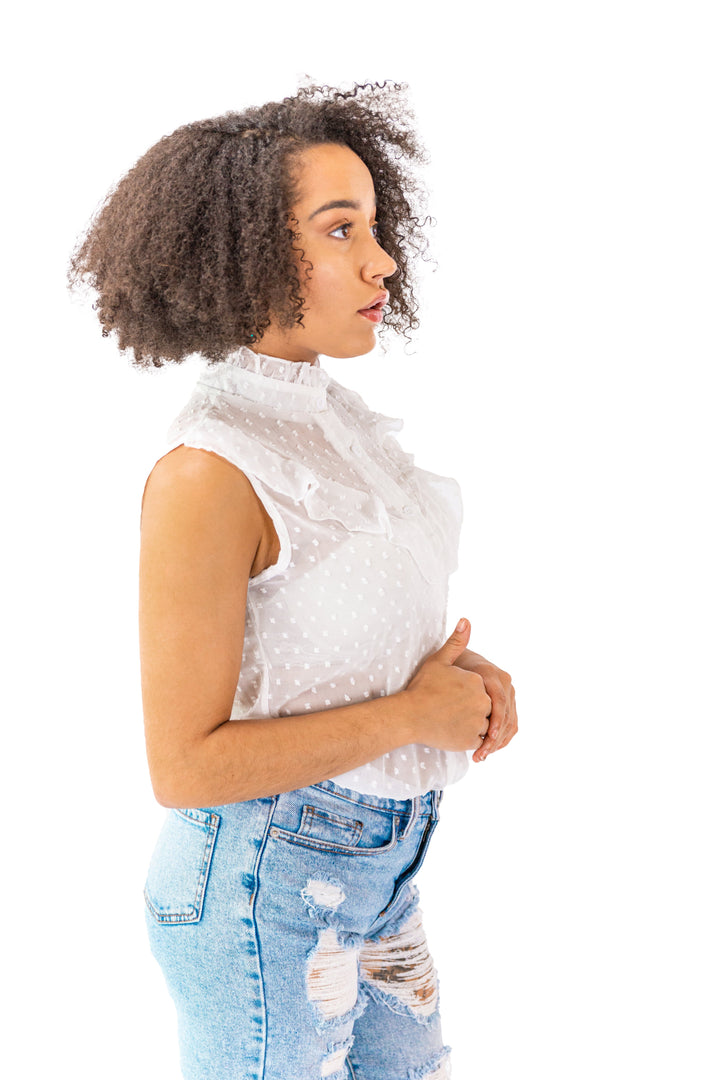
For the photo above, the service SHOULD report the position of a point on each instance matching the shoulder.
(201, 482)
(202, 471)
(199, 497)
(190, 463)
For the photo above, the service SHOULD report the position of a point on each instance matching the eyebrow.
(336, 204)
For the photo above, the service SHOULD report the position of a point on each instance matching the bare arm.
(204, 534)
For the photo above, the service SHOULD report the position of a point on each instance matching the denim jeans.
(290, 938)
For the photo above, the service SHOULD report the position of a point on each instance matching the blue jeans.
(289, 935)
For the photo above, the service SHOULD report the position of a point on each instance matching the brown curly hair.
(195, 249)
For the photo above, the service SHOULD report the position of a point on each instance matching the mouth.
(374, 311)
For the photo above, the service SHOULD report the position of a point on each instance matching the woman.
(303, 712)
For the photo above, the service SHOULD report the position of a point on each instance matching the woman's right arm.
(204, 534)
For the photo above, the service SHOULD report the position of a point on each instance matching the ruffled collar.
(297, 385)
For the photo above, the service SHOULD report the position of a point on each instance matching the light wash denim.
(289, 935)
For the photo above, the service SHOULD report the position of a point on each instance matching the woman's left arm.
(500, 690)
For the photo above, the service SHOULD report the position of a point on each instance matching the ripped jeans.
(290, 938)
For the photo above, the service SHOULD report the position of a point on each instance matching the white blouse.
(357, 598)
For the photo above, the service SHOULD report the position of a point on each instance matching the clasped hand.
(499, 688)
(461, 701)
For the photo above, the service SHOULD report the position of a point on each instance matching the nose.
(378, 264)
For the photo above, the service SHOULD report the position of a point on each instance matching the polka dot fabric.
(357, 598)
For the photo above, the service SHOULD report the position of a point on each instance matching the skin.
(204, 534)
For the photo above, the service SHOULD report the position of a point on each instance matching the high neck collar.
(294, 384)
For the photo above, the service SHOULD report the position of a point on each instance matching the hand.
(503, 718)
(448, 707)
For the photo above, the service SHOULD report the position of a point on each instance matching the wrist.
(406, 720)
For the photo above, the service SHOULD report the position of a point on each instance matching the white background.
(564, 374)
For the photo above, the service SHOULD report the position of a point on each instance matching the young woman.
(303, 711)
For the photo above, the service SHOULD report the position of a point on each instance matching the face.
(344, 292)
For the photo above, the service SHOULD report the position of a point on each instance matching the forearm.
(249, 759)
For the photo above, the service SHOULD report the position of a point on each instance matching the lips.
(373, 311)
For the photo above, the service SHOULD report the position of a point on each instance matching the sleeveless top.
(357, 598)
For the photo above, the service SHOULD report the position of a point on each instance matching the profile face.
(336, 216)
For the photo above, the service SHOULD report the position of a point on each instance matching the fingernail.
(461, 626)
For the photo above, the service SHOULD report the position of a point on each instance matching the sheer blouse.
(357, 598)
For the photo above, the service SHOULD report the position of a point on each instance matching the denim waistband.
(421, 806)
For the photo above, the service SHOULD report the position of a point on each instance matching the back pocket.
(180, 864)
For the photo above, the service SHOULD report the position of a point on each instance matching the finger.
(499, 699)
(476, 753)
(506, 732)
(456, 644)
(489, 744)
(494, 735)
(511, 727)
(498, 708)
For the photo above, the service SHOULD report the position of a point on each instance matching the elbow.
(168, 787)
(167, 800)
(174, 798)
(183, 776)
(180, 785)
(165, 794)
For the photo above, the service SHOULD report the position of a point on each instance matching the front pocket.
(180, 864)
(324, 831)
(322, 825)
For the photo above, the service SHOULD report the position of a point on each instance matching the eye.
(344, 229)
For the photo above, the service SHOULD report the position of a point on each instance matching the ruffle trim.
(438, 497)
(418, 511)
(297, 372)
(295, 386)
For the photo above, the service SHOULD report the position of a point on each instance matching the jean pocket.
(324, 831)
(180, 864)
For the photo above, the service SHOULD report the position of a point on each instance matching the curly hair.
(195, 249)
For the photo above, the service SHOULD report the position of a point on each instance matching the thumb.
(455, 644)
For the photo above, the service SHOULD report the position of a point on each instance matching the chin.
(346, 352)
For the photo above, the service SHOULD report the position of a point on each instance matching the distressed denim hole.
(400, 966)
(332, 976)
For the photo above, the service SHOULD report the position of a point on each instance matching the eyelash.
(349, 225)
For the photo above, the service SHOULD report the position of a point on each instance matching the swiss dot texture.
(357, 599)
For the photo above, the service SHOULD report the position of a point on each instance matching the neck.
(274, 343)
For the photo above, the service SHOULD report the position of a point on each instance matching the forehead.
(329, 172)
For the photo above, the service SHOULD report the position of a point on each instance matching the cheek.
(324, 290)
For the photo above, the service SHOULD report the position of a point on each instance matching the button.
(408, 510)
(355, 449)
